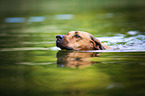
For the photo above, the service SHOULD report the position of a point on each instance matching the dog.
(79, 40)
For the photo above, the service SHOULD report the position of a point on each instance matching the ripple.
(125, 43)
(32, 63)
(24, 49)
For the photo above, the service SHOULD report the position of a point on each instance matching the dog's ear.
(97, 44)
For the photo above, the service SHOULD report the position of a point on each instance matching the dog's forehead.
(81, 33)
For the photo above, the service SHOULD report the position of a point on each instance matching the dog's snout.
(59, 36)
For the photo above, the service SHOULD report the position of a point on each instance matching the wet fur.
(79, 40)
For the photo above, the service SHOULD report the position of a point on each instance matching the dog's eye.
(68, 33)
(77, 36)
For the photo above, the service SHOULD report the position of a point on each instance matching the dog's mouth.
(67, 48)
(60, 45)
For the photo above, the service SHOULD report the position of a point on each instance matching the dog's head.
(78, 40)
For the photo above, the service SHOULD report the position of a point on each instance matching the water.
(31, 64)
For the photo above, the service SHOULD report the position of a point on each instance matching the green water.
(30, 64)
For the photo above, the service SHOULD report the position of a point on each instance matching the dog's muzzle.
(61, 43)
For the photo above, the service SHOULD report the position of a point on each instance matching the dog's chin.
(63, 47)
(67, 48)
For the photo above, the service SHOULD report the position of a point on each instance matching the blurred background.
(28, 55)
(21, 20)
(24, 22)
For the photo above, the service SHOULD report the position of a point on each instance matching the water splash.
(122, 42)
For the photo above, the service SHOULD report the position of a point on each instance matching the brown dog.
(78, 40)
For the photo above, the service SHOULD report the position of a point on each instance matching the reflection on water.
(36, 19)
(23, 20)
(105, 15)
(15, 20)
(77, 73)
(64, 16)
(75, 59)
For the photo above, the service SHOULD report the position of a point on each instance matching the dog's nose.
(59, 36)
